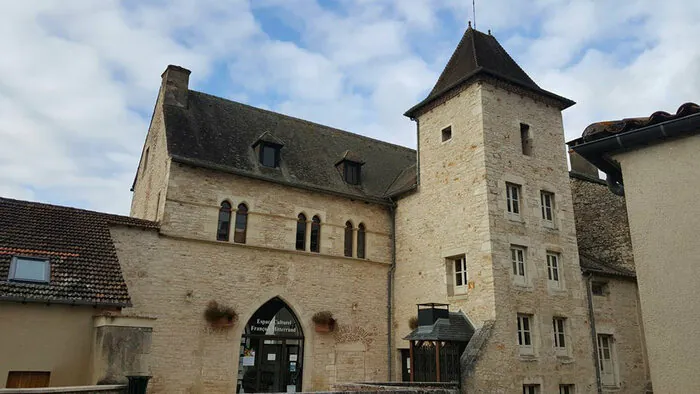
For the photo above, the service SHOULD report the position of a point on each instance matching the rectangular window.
(553, 269)
(547, 205)
(27, 269)
(459, 272)
(559, 329)
(525, 139)
(599, 288)
(27, 379)
(531, 389)
(517, 255)
(269, 155)
(567, 389)
(606, 359)
(352, 173)
(513, 198)
(145, 159)
(525, 334)
(446, 133)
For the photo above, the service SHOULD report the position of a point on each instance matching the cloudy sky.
(78, 79)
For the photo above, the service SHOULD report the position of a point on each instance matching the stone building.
(278, 220)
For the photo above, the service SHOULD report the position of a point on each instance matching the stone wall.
(602, 228)
(173, 279)
(618, 313)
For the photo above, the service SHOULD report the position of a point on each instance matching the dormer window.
(268, 147)
(350, 167)
(352, 173)
(269, 155)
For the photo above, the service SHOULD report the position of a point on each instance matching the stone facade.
(173, 274)
(460, 208)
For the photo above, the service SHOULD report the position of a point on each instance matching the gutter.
(594, 336)
(390, 292)
(25, 300)
(599, 151)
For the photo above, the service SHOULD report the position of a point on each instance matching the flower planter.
(324, 327)
(223, 322)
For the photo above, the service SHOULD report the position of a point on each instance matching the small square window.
(458, 268)
(525, 334)
(517, 257)
(28, 269)
(547, 206)
(513, 198)
(599, 288)
(447, 133)
(553, 270)
(269, 155)
(559, 329)
(567, 389)
(531, 389)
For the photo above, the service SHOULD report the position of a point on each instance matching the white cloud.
(80, 77)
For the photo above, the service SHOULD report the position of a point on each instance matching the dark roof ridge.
(118, 219)
(330, 128)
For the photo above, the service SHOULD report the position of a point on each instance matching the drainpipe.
(594, 338)
(390, 290)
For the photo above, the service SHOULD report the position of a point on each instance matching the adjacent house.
(651, 161)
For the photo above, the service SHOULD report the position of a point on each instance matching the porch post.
(411, 361)
(437, 360)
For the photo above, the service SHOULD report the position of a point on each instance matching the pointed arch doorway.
(271, 351)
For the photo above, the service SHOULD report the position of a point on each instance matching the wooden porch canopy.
(437, 343)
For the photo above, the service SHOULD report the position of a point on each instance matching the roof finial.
(470, 24)
(489, 31)
(474, 12)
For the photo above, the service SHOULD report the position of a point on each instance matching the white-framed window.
(531, 389)
(513, 198)
(567, 389)
(607, 360)
(517, 257)
(525, 340)
(553, 270)
(459, 273)
(30, 269)
(559, 329)
(547, 206)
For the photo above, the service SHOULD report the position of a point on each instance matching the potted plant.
(324, 321)
(220, 316)
(413, 322)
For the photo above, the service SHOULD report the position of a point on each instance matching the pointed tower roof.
(480, 54)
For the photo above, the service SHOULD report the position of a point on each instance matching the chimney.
(174, 86)
(582, 166)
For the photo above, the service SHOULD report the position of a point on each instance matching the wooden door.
(27, 379)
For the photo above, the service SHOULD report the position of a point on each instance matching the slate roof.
(481, 54)
(604, 129)
(590, 264)
(217, 133)
(455, 329)
(84, 265)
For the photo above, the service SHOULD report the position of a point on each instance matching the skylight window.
(30, 269)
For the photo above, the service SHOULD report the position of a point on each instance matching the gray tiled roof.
(78, 244)
(217, 133)
(455, 329)
(481, 54)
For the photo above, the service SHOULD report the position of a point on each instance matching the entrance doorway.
(271, 352)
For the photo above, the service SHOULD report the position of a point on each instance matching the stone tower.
(494, 200)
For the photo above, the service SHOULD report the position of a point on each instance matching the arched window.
(301, 232)
(315, 234)
(241, 224)
(361, 241)
(224, 226)
(348, 239)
